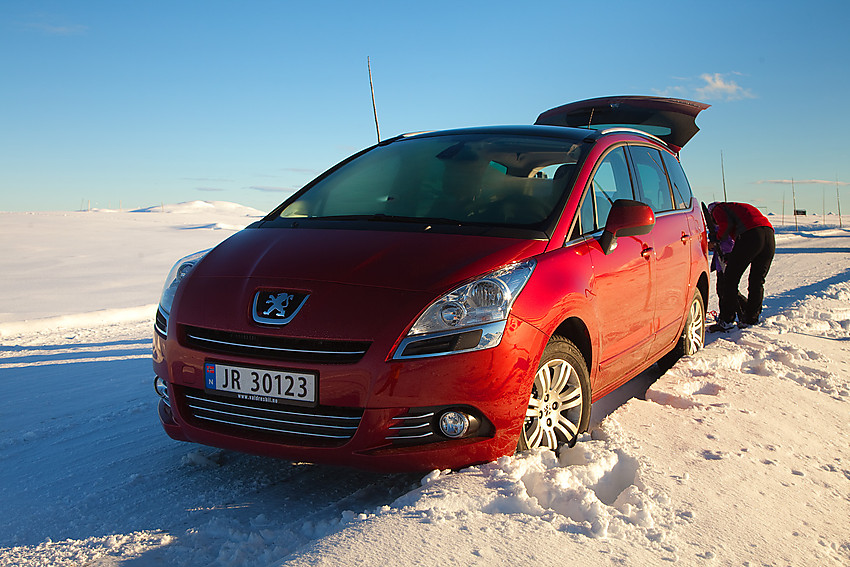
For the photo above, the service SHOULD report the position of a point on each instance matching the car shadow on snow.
(258, 508)
(634, 388)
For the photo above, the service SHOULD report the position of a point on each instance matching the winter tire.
(692, 338)
(559, 404)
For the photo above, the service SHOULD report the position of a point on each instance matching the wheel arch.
(702, 286)
(574, 330)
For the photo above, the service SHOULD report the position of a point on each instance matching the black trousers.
(741, 305)
(754, 248)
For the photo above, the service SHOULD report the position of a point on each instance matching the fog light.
(161, 388)
(454, 424)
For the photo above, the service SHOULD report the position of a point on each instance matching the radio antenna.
(374, 108)
(723, 175)
(794, 199)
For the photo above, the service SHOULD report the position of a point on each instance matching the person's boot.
(748, 320)
(721, 326)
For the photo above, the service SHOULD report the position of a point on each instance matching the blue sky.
(140, 103)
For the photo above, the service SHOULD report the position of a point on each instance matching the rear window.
(682, 194)
(655, 189)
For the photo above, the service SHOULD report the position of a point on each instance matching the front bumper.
(384, 408)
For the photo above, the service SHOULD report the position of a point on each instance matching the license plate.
(261, 384)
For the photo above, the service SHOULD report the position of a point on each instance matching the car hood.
(410, 261)
(672, 120)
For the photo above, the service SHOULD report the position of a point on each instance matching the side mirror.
(627, 218)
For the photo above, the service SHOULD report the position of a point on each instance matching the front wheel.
(559, 405)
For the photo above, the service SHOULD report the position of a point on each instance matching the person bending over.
(754, 246)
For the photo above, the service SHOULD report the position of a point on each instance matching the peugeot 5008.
(444, 298)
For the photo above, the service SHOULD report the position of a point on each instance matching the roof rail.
(617, 129)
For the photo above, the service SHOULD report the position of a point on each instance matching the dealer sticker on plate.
(261, 384)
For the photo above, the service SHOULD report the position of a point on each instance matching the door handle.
(646, 252)
(685, 237)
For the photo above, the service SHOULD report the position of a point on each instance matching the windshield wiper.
(380, 217)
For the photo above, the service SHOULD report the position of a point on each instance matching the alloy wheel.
(555, 407)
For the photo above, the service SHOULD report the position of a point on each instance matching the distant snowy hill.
(223, 208)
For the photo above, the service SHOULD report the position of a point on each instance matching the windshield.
(491, 179)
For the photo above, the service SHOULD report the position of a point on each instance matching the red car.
(444, 298)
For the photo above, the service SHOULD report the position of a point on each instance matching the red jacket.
(734, 219)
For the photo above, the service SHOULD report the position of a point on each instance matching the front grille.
(274, 348)
(323, 426)
(414, 426)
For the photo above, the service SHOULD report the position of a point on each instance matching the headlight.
(180, 270)
(485, 300)
(470, 317)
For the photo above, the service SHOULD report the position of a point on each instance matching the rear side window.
(649, 168)
(682, 194)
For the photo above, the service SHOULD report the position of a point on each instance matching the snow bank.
(104, 550)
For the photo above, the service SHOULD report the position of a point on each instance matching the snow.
(95, 265)
(738, 455)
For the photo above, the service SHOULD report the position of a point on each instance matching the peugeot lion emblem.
(277, 307)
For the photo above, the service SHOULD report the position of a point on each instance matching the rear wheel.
(693, 335)
(559, 405)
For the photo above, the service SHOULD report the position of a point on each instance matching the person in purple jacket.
(755, 247)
